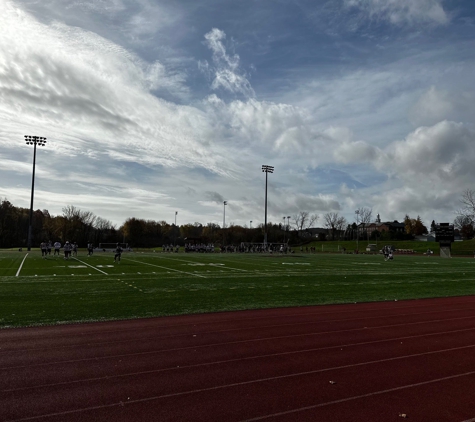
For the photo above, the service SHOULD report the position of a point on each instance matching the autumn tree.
(414, 227)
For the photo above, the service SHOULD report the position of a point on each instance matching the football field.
(37, 291)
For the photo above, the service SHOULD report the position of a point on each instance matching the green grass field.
(36, 291)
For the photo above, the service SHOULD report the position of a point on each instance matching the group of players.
(71, 249)
(388, 253)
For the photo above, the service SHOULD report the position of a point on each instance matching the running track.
(358, 362)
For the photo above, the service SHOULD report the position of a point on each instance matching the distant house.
(314, 232)
(395, 226)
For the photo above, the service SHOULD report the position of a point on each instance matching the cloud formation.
(225, 71)
(401, 12)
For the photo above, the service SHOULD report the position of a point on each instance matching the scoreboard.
(444, 233)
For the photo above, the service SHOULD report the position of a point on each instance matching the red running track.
(361, 362)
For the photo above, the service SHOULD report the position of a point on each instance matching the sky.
(152, 108)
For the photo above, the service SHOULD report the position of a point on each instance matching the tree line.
(85, 227)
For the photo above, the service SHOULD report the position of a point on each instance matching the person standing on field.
(118, 253)
(57, 247)
(67, 250)
(44, 249)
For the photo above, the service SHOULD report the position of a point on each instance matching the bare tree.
(468, 204)
(463, 220)
(364, 217)
(303, 220)
(334, 222)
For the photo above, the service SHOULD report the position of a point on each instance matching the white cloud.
(226, 72)
(441, 153)
(78, 83)
(403, 11)
(427, 170)
(437, 104)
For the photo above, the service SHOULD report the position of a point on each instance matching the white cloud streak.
(226, 72)
(401, 12)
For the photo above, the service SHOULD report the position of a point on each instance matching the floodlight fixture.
(267, 169)
(40, 141)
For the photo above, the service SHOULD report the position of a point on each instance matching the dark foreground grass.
(55, 291)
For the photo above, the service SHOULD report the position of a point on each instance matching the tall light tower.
(266, 169)
(224, 217)
(33, 140)
(288, 225)
(283, 226)
(357, 212)
(174, 243)
(250, 224)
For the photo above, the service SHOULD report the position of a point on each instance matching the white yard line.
(21, 265)
(165, 268)
(85, 263)
(195, 262)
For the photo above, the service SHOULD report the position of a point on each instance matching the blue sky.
(151, 108)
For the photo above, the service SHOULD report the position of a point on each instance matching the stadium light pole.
(40, 141)
(266, 169)
(250, 224)
(288, 225)
(174, 243)
(284, 228)
(357, 212)
(224, 217)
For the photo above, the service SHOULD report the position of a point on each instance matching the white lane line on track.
(362, 396)
(21, 265)
(297, 374)
(238, 342)
(165, 268)
(85, 263)
(238, 384)
(265, 327)
(154, 371)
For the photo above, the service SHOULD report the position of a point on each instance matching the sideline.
(85, 263)
(21, 265)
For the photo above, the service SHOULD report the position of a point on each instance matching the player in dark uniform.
(118, 253)
(67, 250)
(44, 249)
(57, 247)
